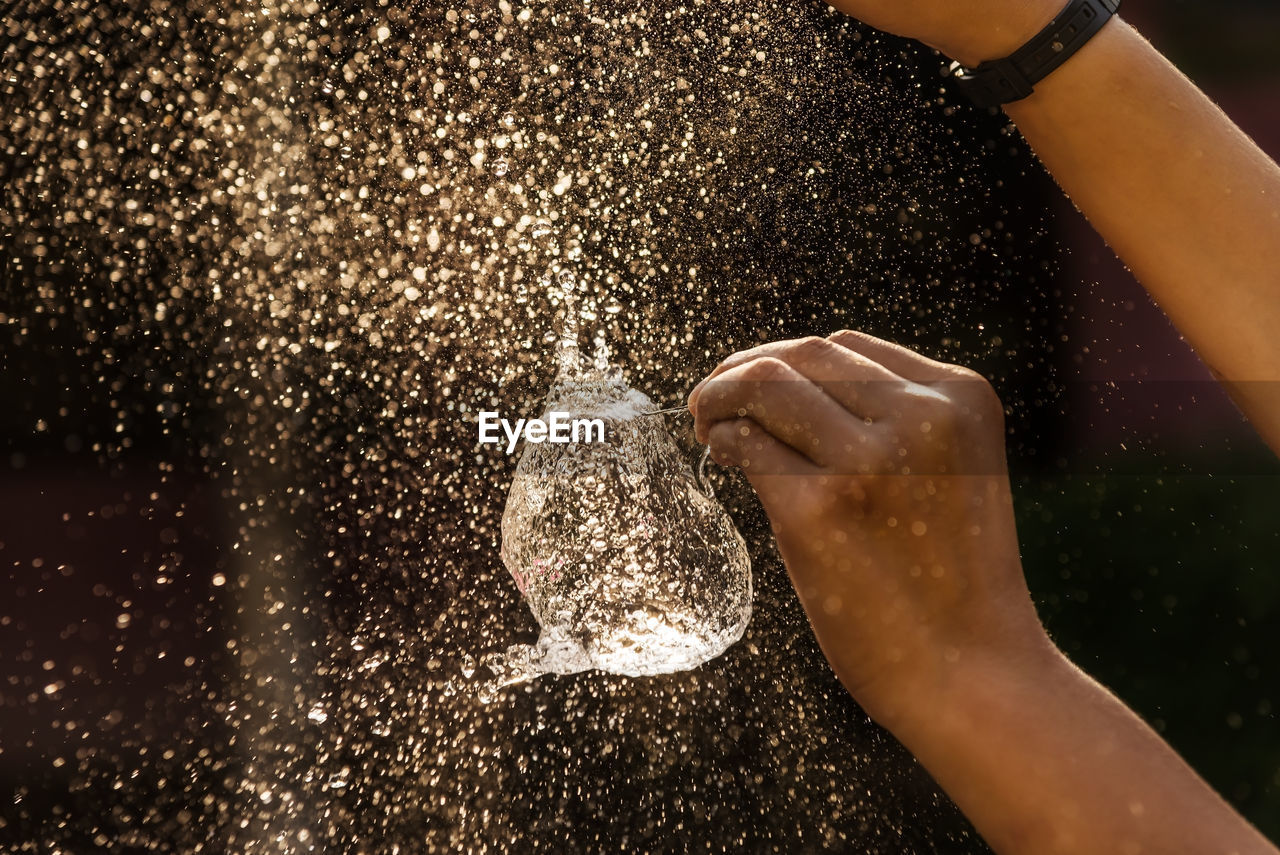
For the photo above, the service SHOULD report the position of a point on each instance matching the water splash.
(625, 558)
(252, 244)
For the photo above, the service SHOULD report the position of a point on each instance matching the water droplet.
(488, 693)
(373, 662)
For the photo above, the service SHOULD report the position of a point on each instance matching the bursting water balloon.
(260, 267)
(627, 561)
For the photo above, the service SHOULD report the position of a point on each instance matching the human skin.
(900, 540)
(883, 475)
(1181, 194)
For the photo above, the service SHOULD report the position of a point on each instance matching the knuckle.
(972, 397)
(765, 369)
(980, 393)
(962, 375)
(813, 350)
(723, 442)
(730, 431)
(808, 345)
(734, 439)
(721, 435)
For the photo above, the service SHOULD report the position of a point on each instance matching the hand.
(970, 31)
(883, 474)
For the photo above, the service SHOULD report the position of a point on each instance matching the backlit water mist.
(289, 252)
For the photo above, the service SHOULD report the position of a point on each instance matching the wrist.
(986, 39)
(937, 697)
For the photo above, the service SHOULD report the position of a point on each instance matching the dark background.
(1147, 513)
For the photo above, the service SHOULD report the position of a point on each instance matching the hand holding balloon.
(883, 474)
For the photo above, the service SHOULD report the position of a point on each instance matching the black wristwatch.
(1003, 81)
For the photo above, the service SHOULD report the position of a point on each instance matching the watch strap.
(1003, 81)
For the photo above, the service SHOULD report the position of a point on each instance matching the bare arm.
(883, 474)
(1182, 195)
(1043, 761)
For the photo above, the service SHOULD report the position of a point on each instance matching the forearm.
(1184, 197)
(1043, 760)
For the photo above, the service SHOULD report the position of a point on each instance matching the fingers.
(932, 382)
(786, 404)
(894, 357)
(859, 384)
(745, 444)
(770, 466)
(841, 402)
